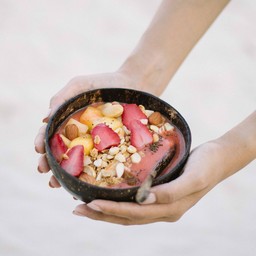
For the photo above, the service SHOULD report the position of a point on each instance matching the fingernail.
(94, 207)
(150, 199)
(47, 115)
(77, 213)
(50, 185)
(39, 170)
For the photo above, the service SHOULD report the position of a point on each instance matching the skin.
(173, 32)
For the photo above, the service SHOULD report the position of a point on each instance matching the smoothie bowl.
(103, 143)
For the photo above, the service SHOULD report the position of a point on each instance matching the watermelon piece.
(58, 147)
(74, 163)
(107, 137)
(132, 112)
(140, 134)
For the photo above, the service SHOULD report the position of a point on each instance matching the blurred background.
(43, 44)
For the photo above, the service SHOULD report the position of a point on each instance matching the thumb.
(175, 190)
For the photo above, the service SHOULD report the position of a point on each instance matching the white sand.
(43, 44)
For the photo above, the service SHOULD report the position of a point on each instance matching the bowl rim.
(158, 180)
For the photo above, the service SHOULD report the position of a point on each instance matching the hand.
(74, 87)
(167, 202)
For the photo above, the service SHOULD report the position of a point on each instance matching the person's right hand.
(76, 86)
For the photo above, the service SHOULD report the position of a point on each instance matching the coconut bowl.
(87, 192)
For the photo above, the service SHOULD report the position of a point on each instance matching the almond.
(112, 110)
(71, 131)
(156, 118)
(87, 178)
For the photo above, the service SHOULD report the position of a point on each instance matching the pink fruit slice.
(132, 112)
(58, 147)
(140, 134)
(74, 164)
(106, 137)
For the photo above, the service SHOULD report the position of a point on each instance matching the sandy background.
(43, 44)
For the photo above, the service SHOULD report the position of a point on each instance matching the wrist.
(147, 69)
(238, 146)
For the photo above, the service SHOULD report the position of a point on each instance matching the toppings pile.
(102, 144)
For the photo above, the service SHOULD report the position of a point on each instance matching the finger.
(43, 166)
(132, 211)
(39, 140)
(110, 212)
(85, 211)
(181, 187)
(53, 183)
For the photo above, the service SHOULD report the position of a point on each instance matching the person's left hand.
(167, 202)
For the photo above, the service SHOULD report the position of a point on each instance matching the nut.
(123, 148)
(127, 132)
(82, 128)
(87, 160)
(142, 108)
(71, 131)
(148, 112)
(144, 121)
(113, 151)
(109, 157)
(98, 162)
(94, 153)
(136, 158)
(90, 171)
(87, 178)
(155, 137)
(156, 119)
(154, 128)
(97, 139)
(120, 132)
(168, 127)
(119, 170)
(120, 157)
(131, 149)
(65, 140)
(110, 110)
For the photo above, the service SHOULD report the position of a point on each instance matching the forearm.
(238, 146)
(173, 32)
